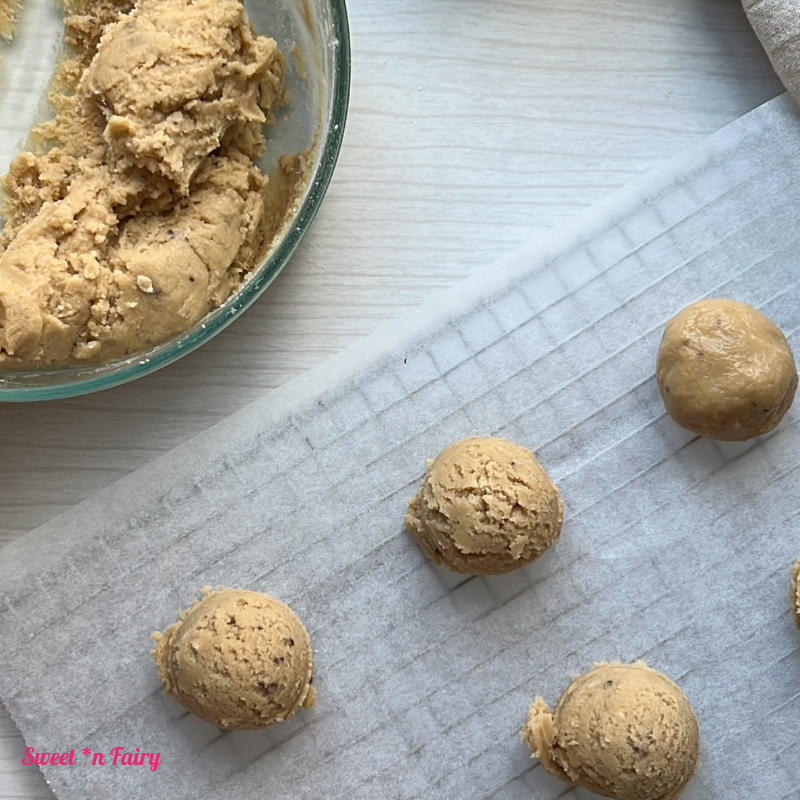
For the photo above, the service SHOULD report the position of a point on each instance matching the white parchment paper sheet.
(675, 549)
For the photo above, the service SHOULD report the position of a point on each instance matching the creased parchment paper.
(675, 550)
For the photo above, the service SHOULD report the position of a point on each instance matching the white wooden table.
(474, 124)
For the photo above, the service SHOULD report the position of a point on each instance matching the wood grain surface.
(474, 124)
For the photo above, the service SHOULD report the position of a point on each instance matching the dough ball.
(794, 592)
(622, 731)
(725, 371)
(237, 659)
(486, 507)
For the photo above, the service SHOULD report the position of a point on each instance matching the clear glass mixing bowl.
(314, 36)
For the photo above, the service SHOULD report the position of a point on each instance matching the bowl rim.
(96, 377)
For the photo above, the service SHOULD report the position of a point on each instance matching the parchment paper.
(675, 550)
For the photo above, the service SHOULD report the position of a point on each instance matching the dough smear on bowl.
(725, 371)
(8, 14)
(486, 506)
(141, 209)
(237, 659)
(620, 730)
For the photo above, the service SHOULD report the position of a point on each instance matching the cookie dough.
(237, 659)
(8, 14)
(143, 211)
(794, 592)
(725, 371)
(486, 506)
(620, 730)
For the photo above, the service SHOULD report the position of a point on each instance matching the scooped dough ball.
(620, 730)
(237, 659)
(486, 507)
(725, 371)
(794, 592)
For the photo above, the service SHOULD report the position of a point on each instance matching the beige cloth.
(777, 25)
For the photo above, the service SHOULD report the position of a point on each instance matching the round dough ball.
(620, 730)
(725, 371)
(237, 659)
(486, 506)
(794, 592)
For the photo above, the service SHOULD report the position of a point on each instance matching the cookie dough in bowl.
(725, 371)
(486, 507)
(794, 592)
(237, 659)
(620, 730)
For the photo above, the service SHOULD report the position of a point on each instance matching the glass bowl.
(314, 37)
